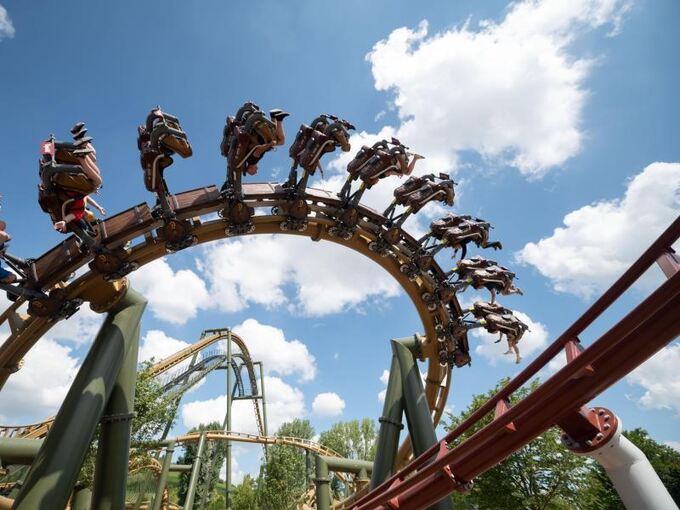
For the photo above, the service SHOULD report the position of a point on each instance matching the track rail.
(241, 437)
(324, 209)
(450, 465)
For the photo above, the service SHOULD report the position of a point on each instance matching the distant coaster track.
(179, 383)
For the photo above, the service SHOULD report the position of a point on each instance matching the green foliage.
(600, 493)
(542, 475)
(351, 439)
(212, 460)
(244, 495)
(283, 481)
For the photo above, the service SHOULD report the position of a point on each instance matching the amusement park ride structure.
(103, 391)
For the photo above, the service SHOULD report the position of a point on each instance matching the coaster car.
(458, 231)
(68, 174)
(497, 279)
(243, 133)
(323, 136)
(158, 140)
(414, 194)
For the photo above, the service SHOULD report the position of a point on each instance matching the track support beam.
(50, 481)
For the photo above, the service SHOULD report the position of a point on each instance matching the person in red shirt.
(75, 210)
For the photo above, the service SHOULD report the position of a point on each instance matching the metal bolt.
(606, 418)
(600, 412)
(589, 442)
(599, 436)
(607, 426)
(592, 410)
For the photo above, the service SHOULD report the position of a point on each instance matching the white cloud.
(237, 473)
(173, 296)
(156, 344)
(284, 403)
(599, 241)
(383, 379)
(324, 275)
(533, 340)
(269, 345)
(6, 27)
(673, 444)
(38, 389)
(80, 328)
(510, 90)
(328, 404)
(660, 379)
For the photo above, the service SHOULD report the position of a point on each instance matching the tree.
(284, 473)
(351, 439)
(244, 495)
(600, 493)
(542, 475)
(211, 462)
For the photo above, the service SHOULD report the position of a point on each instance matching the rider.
(5, 276)
(76, 211)
(277, 115)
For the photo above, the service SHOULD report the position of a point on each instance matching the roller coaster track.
(181, 382)
(324, 209)
(240, 437)
(561, 400)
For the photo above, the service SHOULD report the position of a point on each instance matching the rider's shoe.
(79, 134)
(77, 127)
(83, 141)
(278, 114)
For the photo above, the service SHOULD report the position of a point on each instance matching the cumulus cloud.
(284, 403)
(38, 389)
(6, 26)
(660, 379)
(269, 345)
(325, 277)
(80, 328)
(511, 90)
(156, 344)
(173, 296)
(328, 404)
(533, 340)
(383, 379)
(599, 241)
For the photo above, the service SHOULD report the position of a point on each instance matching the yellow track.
(324, 208)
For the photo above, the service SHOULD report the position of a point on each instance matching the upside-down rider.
(69, 175)
(247, 137)
(498, 319)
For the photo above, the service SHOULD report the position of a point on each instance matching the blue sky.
(544, 111)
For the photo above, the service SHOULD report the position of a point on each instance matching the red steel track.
(560, 400)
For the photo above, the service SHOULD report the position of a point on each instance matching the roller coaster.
(424, 470)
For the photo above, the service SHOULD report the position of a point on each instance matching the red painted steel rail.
(560, 400)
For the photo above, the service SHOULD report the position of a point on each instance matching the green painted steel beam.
(195, 471)
(418, 413)
(54, 472)
(390, 427)
(163, 479)
(323, 485)
(113, 449)
(16, 450)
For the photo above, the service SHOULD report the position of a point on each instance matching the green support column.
(227, 425)
(113, 450)
(390, 427)
(418, 414)
(163, 479)
(17, 450)
(82, 498)
(195, 471)
(53, 474)
(264, 401)
(323, 485)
